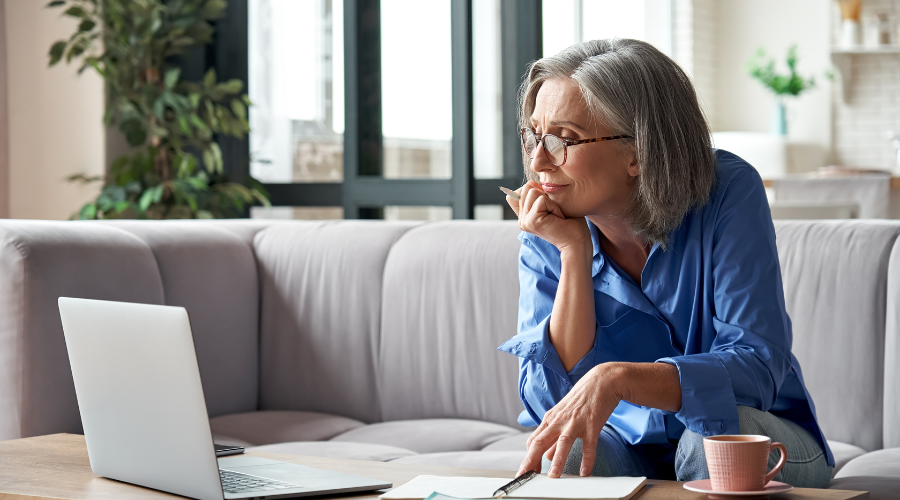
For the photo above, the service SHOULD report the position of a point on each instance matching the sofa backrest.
(450, 298)
(835, 277)
(320, 316)
(209, 269)
(40, 262)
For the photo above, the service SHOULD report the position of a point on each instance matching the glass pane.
(296, 54)
(307, 213)
(416, 88)
(566, 22)
(417, 213)
(488, 212)
(487, 89)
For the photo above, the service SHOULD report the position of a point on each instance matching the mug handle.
(780, 447)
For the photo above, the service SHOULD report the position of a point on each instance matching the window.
(378, 108)
(566, 22)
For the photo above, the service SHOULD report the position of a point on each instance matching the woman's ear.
(633, 168)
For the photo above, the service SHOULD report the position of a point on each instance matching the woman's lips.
(550, 188)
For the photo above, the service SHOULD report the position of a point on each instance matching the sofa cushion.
(877, 463)
(515, 442)
(450, 298)
(41, 261)
(430, 435)
(211, 272)
(335, 449)
(844, 453)
(320, 314)
(835, 277)
(879, 487)
(494, 460)
(268, 427)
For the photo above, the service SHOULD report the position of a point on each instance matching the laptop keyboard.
(236, 482)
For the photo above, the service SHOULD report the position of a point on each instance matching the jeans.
(806, 465)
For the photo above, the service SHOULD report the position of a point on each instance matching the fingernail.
(554, 471)
(585, 471)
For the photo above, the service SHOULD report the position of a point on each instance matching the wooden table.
(57, 467)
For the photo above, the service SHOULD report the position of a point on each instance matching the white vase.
(850, 33)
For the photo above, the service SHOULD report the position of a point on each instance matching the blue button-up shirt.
(711, 303)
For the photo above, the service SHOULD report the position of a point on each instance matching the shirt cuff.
(708, 405)
(535, 345)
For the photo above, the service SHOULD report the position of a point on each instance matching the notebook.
(563, 488)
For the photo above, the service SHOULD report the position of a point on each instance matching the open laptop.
(144, 414)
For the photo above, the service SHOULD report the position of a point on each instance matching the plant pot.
(779, 119)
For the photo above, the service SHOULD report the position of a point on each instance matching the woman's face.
(596, 178)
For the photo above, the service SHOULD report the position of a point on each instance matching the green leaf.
(183, 123)
(217, 156)
(104, 203)
(213, 9)
(75, 11)
(121, 206)
(232, 86)
(209, 161)
(198, 183)
(237, 107)
(88, 212)
(56, 52)
(204, 214)
(172, 77)
(56, 3)
(86, 25)
(146, 200)
(209, 79)
(197, 122)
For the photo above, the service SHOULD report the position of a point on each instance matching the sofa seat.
(338, 449)
(432, 435)
(843, 454)
(877, 472)
(257, 428)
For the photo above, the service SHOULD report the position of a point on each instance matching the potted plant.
(762, 68)
(176, 169)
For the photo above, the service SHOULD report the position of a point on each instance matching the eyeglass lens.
(553, 146)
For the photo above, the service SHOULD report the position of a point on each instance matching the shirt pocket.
(635, 337)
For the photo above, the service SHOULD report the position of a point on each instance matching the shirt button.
(518, 345)
(533, 348)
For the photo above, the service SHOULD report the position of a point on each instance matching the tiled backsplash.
(873, 102)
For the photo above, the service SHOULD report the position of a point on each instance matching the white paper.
(564, 488)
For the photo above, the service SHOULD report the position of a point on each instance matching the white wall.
(54, 117)
(742, 103)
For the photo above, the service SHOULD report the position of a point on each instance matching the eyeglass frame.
(566, 143)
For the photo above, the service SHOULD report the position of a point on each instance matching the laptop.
(144, 414)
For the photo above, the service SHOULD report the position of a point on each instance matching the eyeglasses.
(555, 147)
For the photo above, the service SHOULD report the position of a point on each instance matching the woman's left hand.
(582, 413)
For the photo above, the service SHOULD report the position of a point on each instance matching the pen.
(509, 487)
(509, 192)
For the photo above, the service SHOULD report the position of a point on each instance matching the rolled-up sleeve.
(747, 361)
(543, 381)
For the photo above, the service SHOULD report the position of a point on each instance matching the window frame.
(364, 193)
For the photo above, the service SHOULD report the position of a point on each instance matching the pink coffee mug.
(738, 463)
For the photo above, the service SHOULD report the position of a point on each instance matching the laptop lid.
(139, 394)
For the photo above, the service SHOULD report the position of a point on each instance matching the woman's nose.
(540, 162)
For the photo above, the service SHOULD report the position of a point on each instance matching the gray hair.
(636, 90)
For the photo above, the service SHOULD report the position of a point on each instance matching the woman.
(651, 308)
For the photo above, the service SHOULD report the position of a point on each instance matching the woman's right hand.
(542, 217)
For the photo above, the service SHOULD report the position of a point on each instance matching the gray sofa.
(377, 340)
